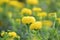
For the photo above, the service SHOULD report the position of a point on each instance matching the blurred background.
(48, 5)
(10, 23)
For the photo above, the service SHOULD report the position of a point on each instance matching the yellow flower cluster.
(26, 11)
(42, 14)
(32, 2)
(25, 15)
(12, 34)
(36, 25)
(16, 4)
(28, 19)
(36, 9)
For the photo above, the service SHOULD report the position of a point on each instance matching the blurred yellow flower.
(28, 20)
(36, 25)
(35, 9)
(12, 34)
(3, 33)
(52, 15)
(1, 9)
(21, 5)
(32, 2)
(42, 14)
(26, 11)
(4, 1)
(9, 14)
(47, 23)
(16, 4)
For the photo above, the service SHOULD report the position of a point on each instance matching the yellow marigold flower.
(4, 1)
(28, 20)
(47, 23)
(10, 14)
(52, 15)
(1, 9)
(16, 4)
(36, 9)
(26, 11)
(36, 25)
(12, 34)
(42, 14)
(32, 2)
(58, 19)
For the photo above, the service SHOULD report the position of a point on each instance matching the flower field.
(29, 19)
